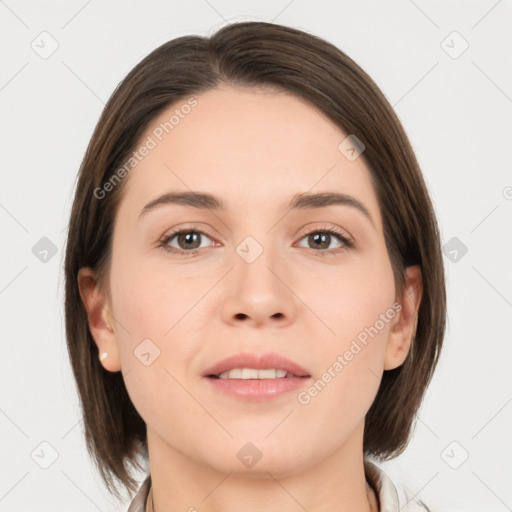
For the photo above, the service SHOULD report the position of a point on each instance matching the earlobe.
(97, 308)
(403, 329)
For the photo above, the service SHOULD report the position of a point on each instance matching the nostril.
(240, 316)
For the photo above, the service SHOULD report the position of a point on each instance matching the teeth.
(253, 373)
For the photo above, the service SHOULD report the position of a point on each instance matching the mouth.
(256, 374)
(257, 378)
(253, 377)
(254, 366)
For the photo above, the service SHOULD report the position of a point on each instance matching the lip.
(258, 361)
(257, 390)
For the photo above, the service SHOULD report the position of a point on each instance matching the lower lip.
(258, 389)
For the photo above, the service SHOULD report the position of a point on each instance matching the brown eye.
(319, 240)
(324, 239)
(185, 241)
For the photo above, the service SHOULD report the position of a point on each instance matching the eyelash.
(348, 243)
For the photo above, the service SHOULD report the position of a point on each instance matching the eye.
(323, 238)
(189, 241)
(185, 241)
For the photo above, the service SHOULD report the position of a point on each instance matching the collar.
(384, 488)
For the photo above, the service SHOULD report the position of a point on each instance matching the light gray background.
(457, 111)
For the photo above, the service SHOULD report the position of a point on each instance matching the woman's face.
(253, 276)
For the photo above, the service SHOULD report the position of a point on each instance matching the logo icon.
(45, 45)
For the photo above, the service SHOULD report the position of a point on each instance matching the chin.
(257, 459)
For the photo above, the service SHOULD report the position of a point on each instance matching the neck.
(182, 483)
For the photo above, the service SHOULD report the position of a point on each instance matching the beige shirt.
(380, 482)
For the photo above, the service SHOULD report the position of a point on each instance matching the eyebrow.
(302, 201)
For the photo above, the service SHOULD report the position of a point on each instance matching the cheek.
(152, 296)
(354, 299)
(358, 308)
(153, 307)
(352, 363)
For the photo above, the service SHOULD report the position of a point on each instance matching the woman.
(255, 296)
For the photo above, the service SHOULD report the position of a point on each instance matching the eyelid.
(188, 227)
(349, 242)
(171, 233)
(302, 232)
(323, 226)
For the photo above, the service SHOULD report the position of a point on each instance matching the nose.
(259, 293)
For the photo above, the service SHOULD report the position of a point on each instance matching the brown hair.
(252, 54)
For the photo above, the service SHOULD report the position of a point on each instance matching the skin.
(254, 149)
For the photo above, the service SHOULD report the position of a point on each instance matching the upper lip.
(258, 361)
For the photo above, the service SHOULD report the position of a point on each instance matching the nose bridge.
(255, 286)
(255, 258)
(259, 247)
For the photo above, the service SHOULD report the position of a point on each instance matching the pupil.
(321, 238)
(187, 238)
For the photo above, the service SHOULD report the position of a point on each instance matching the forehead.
(246, 146)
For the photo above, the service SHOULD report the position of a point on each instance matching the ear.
(404, 325)
(100, 320)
